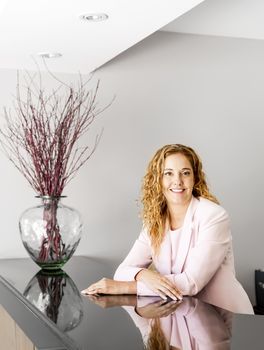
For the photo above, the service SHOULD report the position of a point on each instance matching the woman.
(186, 236)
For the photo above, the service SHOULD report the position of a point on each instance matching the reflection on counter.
(187, 325)
(56, 295)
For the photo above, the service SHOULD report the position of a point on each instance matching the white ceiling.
(231, 18)
(31, 26)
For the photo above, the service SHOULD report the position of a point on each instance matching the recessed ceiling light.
(94, 17)
(49, 54)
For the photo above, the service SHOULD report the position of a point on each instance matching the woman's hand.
(159, 284)
(109, 286)
(158, 309)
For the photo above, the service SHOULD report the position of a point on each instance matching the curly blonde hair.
(155, 212)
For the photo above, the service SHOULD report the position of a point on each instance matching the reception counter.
(46, 311)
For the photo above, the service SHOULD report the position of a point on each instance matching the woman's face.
(177, 180)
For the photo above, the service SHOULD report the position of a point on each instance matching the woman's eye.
(186, 173)
(168, 173)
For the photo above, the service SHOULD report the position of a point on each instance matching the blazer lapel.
(186, 234)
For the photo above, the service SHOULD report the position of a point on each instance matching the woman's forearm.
(109, 286)
(128, 287)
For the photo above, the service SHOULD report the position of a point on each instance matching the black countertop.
(54, 315)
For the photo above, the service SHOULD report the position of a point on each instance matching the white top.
(175, 237)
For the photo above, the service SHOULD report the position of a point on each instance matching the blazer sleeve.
(205, 257)
(137, 259)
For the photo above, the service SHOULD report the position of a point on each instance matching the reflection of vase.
(57, 297)
(50, 232)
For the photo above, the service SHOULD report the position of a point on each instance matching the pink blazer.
(205, 263)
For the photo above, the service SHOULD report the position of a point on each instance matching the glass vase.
(50, 232)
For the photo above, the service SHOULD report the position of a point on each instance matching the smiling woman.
(186, 236)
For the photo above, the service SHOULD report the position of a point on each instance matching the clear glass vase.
(50, 232)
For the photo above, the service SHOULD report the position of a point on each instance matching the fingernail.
(83, 292)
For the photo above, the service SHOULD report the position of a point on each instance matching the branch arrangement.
(41, 139)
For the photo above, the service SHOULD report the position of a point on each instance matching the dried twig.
(41, 139)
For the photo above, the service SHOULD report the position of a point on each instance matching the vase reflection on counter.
(50, 232)
(56, 296)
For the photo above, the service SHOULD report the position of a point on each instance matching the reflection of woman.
(156, 339)
(186, 235)
(175, 325)
(194, 325)
(152, 332)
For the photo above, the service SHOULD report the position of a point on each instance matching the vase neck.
(50, 199)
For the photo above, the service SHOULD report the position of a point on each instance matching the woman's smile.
(175, 190)
(178, 180)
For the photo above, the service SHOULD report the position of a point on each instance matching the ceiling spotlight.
(49, 54)
(94, 17)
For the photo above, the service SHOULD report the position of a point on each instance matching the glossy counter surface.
(54, 315)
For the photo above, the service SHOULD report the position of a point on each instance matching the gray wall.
(206, 92)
